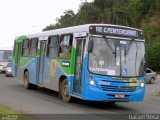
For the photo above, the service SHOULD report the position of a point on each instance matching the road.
(42, 101)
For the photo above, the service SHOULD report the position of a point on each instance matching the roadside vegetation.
(5, 110)
(9, 114)
(142, 14)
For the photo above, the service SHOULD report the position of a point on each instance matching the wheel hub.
(65, 90)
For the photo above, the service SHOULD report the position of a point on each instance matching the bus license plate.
(119, 96)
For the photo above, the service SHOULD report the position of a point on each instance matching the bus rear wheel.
(65, 91)
(28, 85)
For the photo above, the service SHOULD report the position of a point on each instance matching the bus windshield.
(117, 57)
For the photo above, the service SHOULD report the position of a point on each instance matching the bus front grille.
(118, 88)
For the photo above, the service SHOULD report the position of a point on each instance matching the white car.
(8, 71)
(3, 66)
(151, 76)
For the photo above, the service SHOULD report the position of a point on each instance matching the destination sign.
(115, 31)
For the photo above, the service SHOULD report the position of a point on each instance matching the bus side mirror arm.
(90, 46)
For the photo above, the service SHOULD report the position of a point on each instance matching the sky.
(20, 17)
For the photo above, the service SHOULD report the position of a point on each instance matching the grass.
(9, 114)
(5, 110)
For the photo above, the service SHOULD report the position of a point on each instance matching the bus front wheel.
(65, 91)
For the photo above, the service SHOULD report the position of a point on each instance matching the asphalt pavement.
(43, 101)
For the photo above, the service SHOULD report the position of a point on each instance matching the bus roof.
(73, 29)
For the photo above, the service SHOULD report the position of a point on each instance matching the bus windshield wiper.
(128, 48)
(109, 45)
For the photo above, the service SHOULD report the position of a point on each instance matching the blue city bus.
(95, 62)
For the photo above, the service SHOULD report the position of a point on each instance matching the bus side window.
(53, 47)
(33, 47)
(65, 46)
(25, 51)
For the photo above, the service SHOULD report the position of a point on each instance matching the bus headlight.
(92, 82)
(142, 84)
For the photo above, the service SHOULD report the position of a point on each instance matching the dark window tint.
(25, 48)
(33, 47)
(53, 47)
(65, 46)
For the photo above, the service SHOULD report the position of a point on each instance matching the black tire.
(65, 91)
(27, 85)
(152, 80)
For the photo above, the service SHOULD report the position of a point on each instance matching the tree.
(51, 27)
(66, 20)
(152, 57)
(140, 8)
(86, 14)
(112, 12)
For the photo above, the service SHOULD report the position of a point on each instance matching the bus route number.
(99, 29)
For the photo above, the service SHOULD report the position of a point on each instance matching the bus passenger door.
(42, 59)
(77, 84)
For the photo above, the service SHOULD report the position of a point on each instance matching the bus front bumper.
(95, 94)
